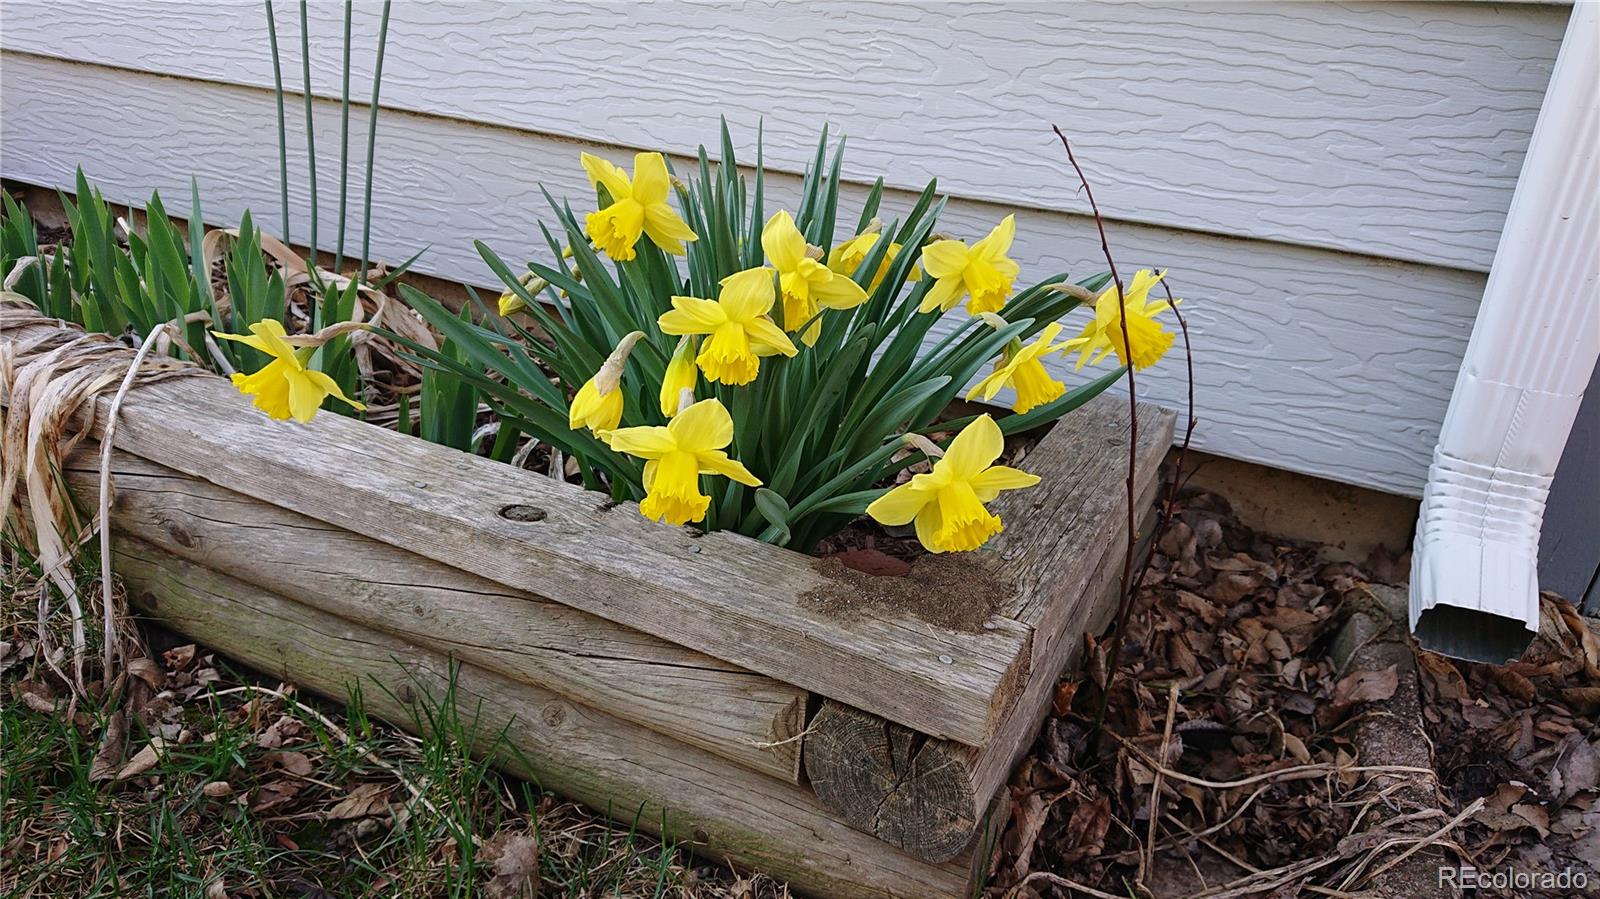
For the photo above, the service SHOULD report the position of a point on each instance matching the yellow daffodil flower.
(637, 206)
(1149, 340)
(848, 256)
(675, 457)
(983, 272)
(947, 503)
(806, 283)
(598, 403)
(680, 376)
(1020, 367)
(285, 387)
(737, 324)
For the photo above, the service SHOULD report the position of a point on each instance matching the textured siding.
(1391, 129)
(1316, 361)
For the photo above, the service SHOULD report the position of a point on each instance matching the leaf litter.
(1255, 780)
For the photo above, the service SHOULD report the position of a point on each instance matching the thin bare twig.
(1058, 880)
(1125, 603)
(1160, 776)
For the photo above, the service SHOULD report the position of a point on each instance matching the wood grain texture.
(740, 716)
(1323, 363)
(1393, 129)
(1062, 546)
(722, 594)
(716, 808)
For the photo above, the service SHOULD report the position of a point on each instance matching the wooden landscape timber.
(1063, 547)
(634, 774)
(632, 665)
(743, 717)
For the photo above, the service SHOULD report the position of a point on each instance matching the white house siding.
(1326, 182)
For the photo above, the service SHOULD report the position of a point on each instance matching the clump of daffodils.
(737, 365)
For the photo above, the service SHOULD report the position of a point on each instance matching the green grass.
(173, 830)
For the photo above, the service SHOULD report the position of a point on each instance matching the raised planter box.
(695, 682)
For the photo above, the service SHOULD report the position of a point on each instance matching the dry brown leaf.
(366, 799)
(217, 789)
(148, 671)
(1367, 686)
(513, 856)
(144, 759)
(1061, 701)
(1576, 770)
(292, 762)
(113, 744)
(179, 657)
(1086, 830)
(217, 889)
(274, 794)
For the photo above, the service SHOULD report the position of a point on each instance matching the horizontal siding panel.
(1315, 361)
(1389, 129)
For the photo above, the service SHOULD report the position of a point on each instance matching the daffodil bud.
(677, 385)
(1077, 292)
(873, 227)
(993, 320)
(609, 377)
(510, 302)
(927, 447)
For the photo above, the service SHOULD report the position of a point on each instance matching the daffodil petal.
(944, 258)
(651, 183)
(990, 385)
(943, 295)
(648, 442)
(304, 397)
(331, 387)
(767, 339)
(603, 172)
(717, 462)
(999, 240)
(988, 483)
(838, 293)
(702, 427)
(692, 315)
(899, 505)
(974, 449)
(785, 246)
(666, 229)
(748, 294)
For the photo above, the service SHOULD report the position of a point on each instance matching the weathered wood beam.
(722, 594)
(1063, 547)
(720, 809)
(744, 717)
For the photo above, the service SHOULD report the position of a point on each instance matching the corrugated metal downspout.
(1474, 582)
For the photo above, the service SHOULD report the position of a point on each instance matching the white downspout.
(1474, 574)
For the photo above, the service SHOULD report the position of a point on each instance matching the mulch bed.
(1230, 724)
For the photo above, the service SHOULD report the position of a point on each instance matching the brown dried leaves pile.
(1260, 786)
